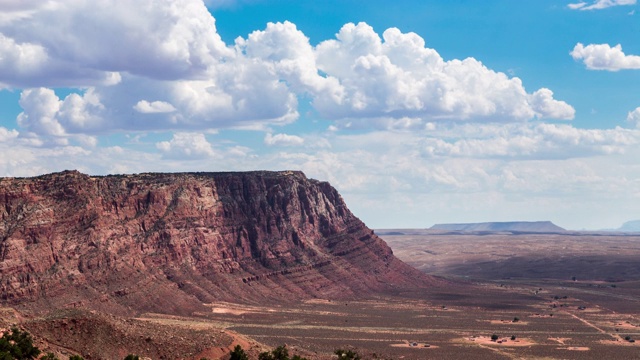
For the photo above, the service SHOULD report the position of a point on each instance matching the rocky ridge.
(173, 242)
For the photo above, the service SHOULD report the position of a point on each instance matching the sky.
(417, 111)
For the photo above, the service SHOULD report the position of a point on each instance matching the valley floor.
(544, 296)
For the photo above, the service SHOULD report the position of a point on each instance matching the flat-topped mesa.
(170, 242)
(514, 226)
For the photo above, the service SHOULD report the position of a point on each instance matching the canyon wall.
(173, 242)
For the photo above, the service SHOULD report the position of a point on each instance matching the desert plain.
(573, 295)
(561, 295)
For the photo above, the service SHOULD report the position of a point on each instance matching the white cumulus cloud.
(398, 76)
(527, 141)
(158, 65)
(283, 140)
(546, 106)
(158, 39)
(634, 117)
(6, 134)
(154, 107)
(187, 146)
(44, 114)
(605, 57)
(600, 4)
(40, 109)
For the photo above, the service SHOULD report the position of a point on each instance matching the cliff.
(514, 226)
(173, 242)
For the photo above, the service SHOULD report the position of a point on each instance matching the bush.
(513, 337)
(49, 356)
(132, 357)
(347, 354)
(238, 354)
(516, 319)
(494, 337)
(17, 345)
(279, 353)
(76, 357)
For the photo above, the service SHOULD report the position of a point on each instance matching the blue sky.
(419, 112)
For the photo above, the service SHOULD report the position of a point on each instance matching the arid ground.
(518, 285)
(494, 279)
(546, 296)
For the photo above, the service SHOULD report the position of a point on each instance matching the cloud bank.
(161, 65)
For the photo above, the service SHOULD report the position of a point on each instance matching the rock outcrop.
(173, 242)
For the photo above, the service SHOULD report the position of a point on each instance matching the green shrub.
(17, 345)
(238, 354)
(279, 353)
(347, 354)
(76, 357)
(132, 357)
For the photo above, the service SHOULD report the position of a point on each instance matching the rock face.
(516, 226)
(171, 242)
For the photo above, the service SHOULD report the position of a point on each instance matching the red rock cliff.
(170, 242)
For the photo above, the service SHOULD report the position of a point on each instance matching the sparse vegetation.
(347, 354)
(279, 353)
(17, 345)
(132, 357)
(238, 354)
(76, 357)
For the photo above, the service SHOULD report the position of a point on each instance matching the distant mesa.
(515, 226)
(630, 226)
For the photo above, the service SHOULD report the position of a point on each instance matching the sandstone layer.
(173, 242)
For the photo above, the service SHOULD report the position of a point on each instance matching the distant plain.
(488, 280)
